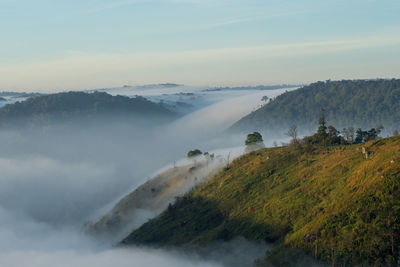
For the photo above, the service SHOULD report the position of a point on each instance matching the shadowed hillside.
(151, 198)
(335, 203)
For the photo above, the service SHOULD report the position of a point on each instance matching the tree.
(194, 153)
(333, 136)
(351, 134)
(359, 136)
(379, 128)
(322, 126)
(332, 132)
(395, 133)
(292, 133)
(365, 136)
(265, 99)
(348, 134)
(253, 139)
(370, 135)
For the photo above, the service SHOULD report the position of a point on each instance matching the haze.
(65, 45)
(56, 179)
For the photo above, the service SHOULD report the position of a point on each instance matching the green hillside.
(356, 103)
(81, 106)
(335, 203)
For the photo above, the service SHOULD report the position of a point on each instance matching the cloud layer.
(237, 65)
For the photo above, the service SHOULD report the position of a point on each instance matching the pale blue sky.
(77, 44)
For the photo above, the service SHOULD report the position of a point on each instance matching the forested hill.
(334, 202)
(355, 103)
(82, 106)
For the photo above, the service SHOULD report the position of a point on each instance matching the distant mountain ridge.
(255, 87)
(357, 103)
(80, 105)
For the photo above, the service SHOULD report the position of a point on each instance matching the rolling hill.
(83, 107)
(334, 203)
(356, 103)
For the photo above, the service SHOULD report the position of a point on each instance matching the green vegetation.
(194, 153)
(330, 136)
(358, 103)
(79, 105)
(253, 142)
(331, 201)
(253, 139)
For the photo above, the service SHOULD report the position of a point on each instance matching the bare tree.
(293, 134)
(351, 134)
(395, 133)
(348, 134)
(229, 155)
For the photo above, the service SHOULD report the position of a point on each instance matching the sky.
(57, 45)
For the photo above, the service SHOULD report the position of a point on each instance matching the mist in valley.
(56, 179)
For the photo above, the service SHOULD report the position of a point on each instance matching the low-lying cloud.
(53, 180)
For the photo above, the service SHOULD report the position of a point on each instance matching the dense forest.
(81, 106)
(347, 103)
(340, 204)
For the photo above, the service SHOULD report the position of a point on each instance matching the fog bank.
(55, 179)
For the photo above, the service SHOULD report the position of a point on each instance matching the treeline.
(362, 103)
(329, 135)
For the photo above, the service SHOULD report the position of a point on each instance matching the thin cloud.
(257, 18)
(87, 70)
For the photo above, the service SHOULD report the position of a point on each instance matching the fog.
(55, 179)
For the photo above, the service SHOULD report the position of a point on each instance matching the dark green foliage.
(79, 105)
(365, 136)
(330, 136)
(322, 126)
(372, 228)
(194, 153)
(361, 103)
(288, 257)
(254, 138)
(182, 222)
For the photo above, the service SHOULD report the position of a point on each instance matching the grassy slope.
(329, 201)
